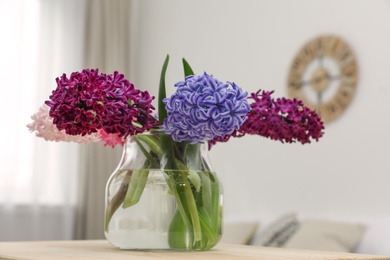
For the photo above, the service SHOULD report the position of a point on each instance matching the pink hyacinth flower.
(43, 127)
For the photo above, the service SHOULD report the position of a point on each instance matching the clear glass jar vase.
(163, 195)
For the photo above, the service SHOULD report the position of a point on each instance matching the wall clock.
(323, 75)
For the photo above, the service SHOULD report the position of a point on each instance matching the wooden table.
(101, 249)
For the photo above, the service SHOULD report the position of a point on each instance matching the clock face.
(323, 75)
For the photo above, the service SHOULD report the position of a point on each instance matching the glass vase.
(163, 195)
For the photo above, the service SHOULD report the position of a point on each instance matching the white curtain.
(40, 41)
(107, 47)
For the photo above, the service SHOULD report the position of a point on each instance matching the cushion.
(376, 236)
(239, 231)
(324, 235)
(278, 232)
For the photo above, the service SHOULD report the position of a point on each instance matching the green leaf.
(177, 232)
(136, 187)
(195, 179)
(150, 158)
(187, 68)
(162, 111)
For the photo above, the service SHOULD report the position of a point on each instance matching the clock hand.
(319, 97)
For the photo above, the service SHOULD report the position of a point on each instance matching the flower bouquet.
(164, 193)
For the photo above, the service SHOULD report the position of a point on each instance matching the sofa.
(365, 235)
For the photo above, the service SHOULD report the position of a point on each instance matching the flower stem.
(193, 210)
(117, 200)
(206, 228)
(153, 144)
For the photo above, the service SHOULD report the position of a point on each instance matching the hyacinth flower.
(43, 126)
(203, 108)
(282, 119)
(88, 101)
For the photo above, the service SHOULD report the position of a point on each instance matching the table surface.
(101, 249)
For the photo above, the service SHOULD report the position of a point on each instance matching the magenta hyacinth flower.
(88, 101)
(286, 120)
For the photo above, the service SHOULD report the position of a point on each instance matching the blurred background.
(56, 190)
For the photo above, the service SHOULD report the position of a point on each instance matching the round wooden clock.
(323, 75)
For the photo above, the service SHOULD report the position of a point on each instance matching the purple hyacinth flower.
(203, 108)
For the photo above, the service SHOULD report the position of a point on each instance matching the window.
(33, 53)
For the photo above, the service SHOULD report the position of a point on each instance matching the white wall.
(253, 42)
